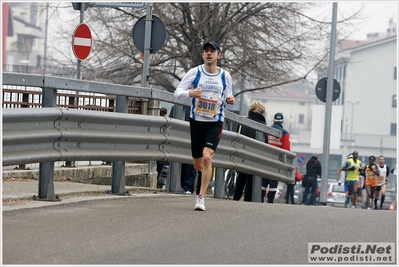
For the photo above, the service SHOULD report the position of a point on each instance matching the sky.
(378, 13)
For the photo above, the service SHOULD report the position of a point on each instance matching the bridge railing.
(52, 134)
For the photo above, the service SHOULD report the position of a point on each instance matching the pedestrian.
(289, 194)
(245, 180)
(188, 173)
(383, 171)
(163, 112)
(282, 142)
(371, 173)
(313, 170)
(210, 88)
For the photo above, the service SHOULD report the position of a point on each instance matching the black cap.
(213, 44)
(278, 117)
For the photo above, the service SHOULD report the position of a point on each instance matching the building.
(25, 28)
(367, 73)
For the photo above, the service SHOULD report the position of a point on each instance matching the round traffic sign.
(158, 34)
(81, 41)
(301, 159)
(321, 89)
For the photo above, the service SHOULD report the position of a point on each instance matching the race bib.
(207, 106)
(381, 179)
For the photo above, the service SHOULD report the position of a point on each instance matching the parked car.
(335, 195)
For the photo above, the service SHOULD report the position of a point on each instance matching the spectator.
(163, 112)
(289, 195)
(244, 180)
(313, 170)
(188, 173)
(282, 142)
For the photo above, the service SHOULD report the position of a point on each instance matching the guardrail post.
(153, 109)
(46, 169)
(219, 184)
(118, 167)
(257, 181)
(175, 167)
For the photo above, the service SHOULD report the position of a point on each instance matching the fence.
(50, 134)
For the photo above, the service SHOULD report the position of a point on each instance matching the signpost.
(81, 41)
(301, 159)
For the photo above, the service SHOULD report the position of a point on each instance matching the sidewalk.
(19, 193)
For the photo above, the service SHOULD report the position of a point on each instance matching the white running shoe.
(200, 203)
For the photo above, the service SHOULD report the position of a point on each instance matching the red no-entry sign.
(81, 41)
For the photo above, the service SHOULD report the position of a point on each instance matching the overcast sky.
(379, 13)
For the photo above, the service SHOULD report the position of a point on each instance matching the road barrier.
(49, 134)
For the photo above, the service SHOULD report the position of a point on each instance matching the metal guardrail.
(51, 134)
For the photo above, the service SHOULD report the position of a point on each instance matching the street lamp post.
(353, 103)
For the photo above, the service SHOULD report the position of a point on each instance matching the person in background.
(371, 173)
(163, 112)
(282, 142)
(188, 173)
(352, 166)
(210, 89)
(382, 181)
(289, 194)
(313, 170)
(244, 180)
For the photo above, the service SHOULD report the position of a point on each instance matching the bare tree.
(263, 43)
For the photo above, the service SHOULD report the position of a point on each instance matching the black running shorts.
(204, 134)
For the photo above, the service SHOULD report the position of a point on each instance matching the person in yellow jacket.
(352, 167)
(371, 174)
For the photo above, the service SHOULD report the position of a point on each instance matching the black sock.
(382, 200)
(375, 203)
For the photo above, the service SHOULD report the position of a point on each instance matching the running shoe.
(346, 202)
(200, 203)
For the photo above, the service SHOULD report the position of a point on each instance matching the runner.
(347, 197)
(371, 173)
(352, 166)
(382, 181)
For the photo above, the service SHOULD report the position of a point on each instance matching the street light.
(353, 103)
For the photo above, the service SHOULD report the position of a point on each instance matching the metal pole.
(147, 50)
(82, 12)
(329, 97)
(257, 181)
(45, 42)
(175, 167)
(219, 184)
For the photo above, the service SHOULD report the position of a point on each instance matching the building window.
(301, 119)
(394, 73)
(393, 129)
(302, 103)
(394, 102)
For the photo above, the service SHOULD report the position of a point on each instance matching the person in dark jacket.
(244, 180)
(313, 169)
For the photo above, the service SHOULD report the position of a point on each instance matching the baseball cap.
(350, 156)
(213, 44)
(278, 117)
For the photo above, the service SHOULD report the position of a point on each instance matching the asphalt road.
(165, 229)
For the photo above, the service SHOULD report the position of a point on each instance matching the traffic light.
(78, 6)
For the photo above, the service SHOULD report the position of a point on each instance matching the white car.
(335, 195)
